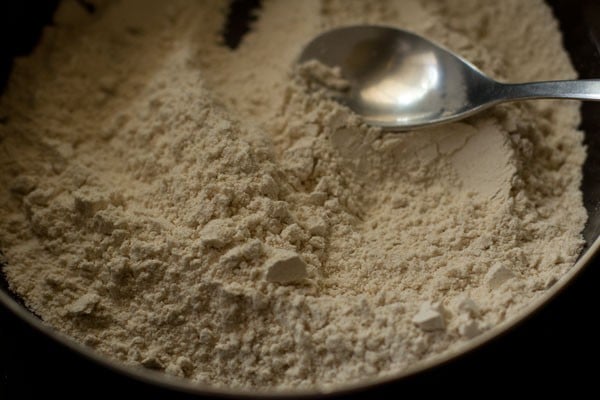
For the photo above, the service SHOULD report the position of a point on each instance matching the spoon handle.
(586, 89)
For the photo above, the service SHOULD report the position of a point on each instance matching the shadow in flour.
(241, 16)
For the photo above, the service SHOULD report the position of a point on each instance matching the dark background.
(556, 349)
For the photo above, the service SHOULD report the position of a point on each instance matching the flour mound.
(213, 214)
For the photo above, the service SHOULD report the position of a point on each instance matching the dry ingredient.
(211, 213)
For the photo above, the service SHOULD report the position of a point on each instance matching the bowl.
(580, 23)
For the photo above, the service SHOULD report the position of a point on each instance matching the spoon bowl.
(400, 80)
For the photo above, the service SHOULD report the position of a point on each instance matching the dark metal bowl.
(580, 22)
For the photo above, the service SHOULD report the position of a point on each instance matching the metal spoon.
(399, 80)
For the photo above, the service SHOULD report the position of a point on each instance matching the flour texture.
(212, 213)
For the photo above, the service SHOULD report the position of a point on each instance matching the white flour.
(175, 204)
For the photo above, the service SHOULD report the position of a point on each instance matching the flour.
(177, 205)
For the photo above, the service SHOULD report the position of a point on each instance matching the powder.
(214, 214)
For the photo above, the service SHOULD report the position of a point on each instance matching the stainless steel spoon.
(399, 80)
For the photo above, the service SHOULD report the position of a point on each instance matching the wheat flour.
(211, 213)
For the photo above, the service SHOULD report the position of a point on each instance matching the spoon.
(399, 80)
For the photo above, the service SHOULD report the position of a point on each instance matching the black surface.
(556, 349)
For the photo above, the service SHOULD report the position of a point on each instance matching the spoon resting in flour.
(398, 80)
